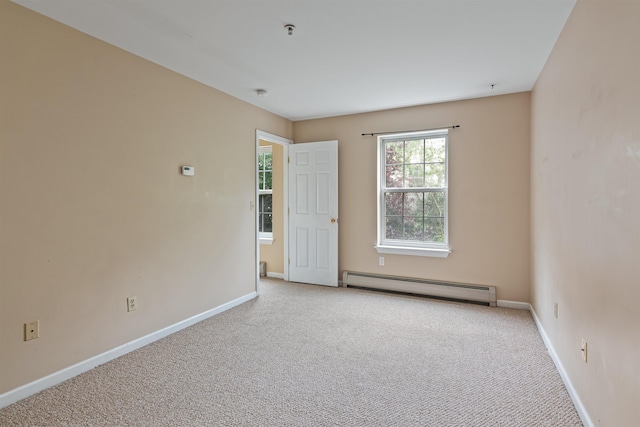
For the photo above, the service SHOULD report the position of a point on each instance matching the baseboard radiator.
(432, 288)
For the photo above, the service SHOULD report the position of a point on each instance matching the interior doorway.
(272, 193)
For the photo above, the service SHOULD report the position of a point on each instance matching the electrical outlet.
(31, 330)
(584, 350)
(555, 310)
(132, 303)
(381, 260)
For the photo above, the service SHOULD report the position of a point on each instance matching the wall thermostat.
(188, 170)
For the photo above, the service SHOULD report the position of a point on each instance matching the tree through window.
(265, 192)
(413, 190)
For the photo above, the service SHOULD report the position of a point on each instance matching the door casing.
(285, 143)
(274, 139)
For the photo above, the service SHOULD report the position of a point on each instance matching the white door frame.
(274, 139)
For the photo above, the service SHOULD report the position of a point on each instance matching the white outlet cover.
(132, 303)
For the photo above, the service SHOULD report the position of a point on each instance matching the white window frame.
(401, 247)
(266, 238)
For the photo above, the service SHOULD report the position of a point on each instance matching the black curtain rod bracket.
(407, 131)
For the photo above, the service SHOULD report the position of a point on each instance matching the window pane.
(413, 226)
(434, 229)
(267, 180)
(414, 151)
(266, 216)
(414, 175)
(394, 152)
(435, 175)
(266, 223)
(261, 181)
(268, 161)
(266, 203)
(413, 205)
(394, 227)
(435, 150)
(394, 176)
(261, 161)
(434, 204)
(393, 203)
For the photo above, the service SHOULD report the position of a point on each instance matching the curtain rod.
(407, 131)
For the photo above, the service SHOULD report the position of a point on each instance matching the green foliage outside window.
(416, 168)
(265, 185)
(265, 176)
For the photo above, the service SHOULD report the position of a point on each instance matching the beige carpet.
(303, 355)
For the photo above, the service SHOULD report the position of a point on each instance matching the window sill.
(266, 241)
(404, 250)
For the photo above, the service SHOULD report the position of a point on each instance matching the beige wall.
(273, 254)
(488, 199)
(586, 205)
(93, 208)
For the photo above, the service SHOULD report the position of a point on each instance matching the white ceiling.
(345, 56)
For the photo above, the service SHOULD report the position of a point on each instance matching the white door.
(313, 213)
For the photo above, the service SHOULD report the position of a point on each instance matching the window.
(265, 194)
(413, 194)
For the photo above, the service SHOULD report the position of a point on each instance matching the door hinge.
(289, 261)
(288, 159)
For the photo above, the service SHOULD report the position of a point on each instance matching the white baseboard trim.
(38, 385)
(582, 411)
(513, 304)
(275, 275)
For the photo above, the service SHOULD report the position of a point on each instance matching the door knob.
(333, 220)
